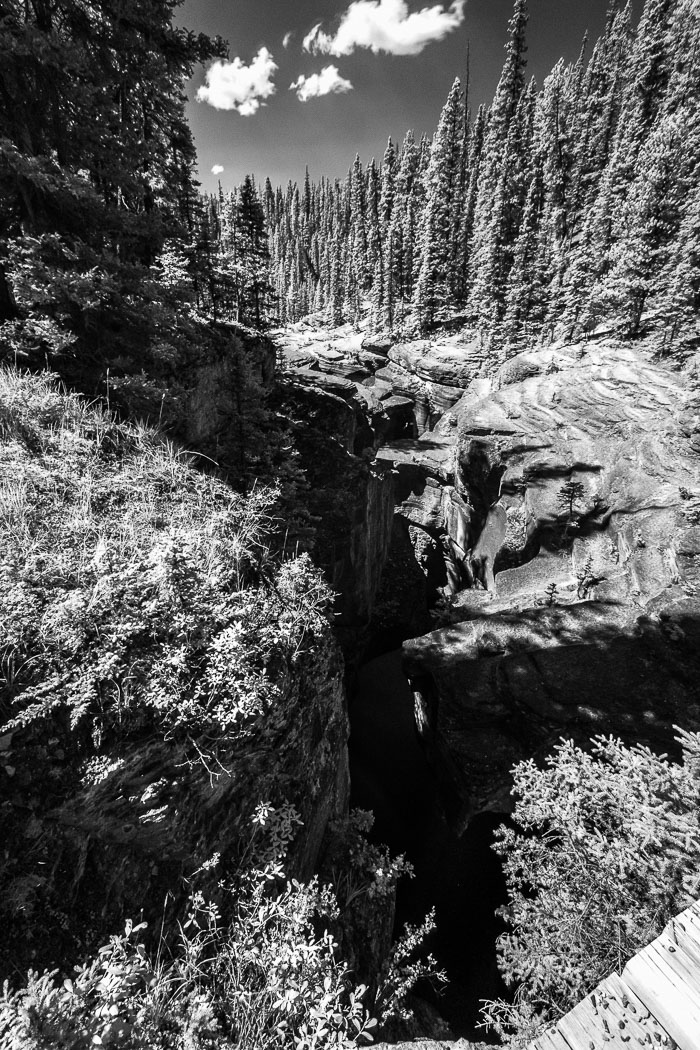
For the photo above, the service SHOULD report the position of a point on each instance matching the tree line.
(559, 208)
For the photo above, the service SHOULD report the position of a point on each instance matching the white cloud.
(386, 25)
(309, 41)
(217, 169)
(327, 82)
(234, 85)
(287, 39)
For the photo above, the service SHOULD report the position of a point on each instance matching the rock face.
(578, 488)
(87, 852)
(438, 519)
(433, 373)
(349, 495)
(424, 377)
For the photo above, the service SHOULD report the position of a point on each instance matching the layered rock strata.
(586, 619)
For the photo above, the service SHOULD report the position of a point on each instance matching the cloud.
(386, 25)
(327, 82)
(234, 85)
(217, 169)
(287, 39)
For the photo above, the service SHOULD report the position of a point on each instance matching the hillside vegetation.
(152, 650)
(173, 716)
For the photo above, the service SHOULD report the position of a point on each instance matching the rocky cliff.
(557, 506)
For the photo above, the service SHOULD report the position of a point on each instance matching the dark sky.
(391, 93)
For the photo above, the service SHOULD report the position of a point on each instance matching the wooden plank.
(621, 1004)
(685, 928)
(655, 1003)
(658, 988)
(684, 947)
(679, 963)
(551, 1040)
(582, 1026)
(688, 920)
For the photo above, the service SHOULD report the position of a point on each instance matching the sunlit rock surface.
(584, 618)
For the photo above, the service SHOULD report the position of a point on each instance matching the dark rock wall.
(84, 853)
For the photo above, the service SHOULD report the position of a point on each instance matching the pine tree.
(557, 210)
(471, 185)
(499, 166)
(679, 302)
(441, 217)
(402, 229)
(358, 206)
(372, 221)
(526, 293)
(334, 308)
(96, 170)
(252, 258)
(497, 222)
(388, 189)
(646, 229)
(377, 296)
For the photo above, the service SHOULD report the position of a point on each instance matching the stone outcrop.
(433, 373)
(85, 851)
(586, 619)
(349, 496)
(438, 519)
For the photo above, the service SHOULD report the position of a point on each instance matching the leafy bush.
(133, 588)
(268, 978)
(606, 851)
(146, 622)
(148, 628)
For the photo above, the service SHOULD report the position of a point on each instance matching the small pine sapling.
(585, 578)
(568, 496)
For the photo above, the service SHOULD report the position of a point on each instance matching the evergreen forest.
(428, 433)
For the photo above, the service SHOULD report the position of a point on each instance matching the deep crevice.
(460, 876)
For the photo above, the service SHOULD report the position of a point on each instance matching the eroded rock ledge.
(586, 619)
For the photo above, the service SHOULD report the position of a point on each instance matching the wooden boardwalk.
(654, 1003)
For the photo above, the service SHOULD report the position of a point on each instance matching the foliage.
(268, 978)
(563, 207)
(143, 609)
(571, 493)
(228, 257)
(137, 590)
(404, 969)
(364, 877)
(96, 169)
(605, 851)
(359, 868)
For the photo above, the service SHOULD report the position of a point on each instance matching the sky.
(313, 82)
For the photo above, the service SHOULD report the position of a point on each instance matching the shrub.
(147, 622)
(265, 980)
(605, 851)
(133, 588)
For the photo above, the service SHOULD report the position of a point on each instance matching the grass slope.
(162, 673)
